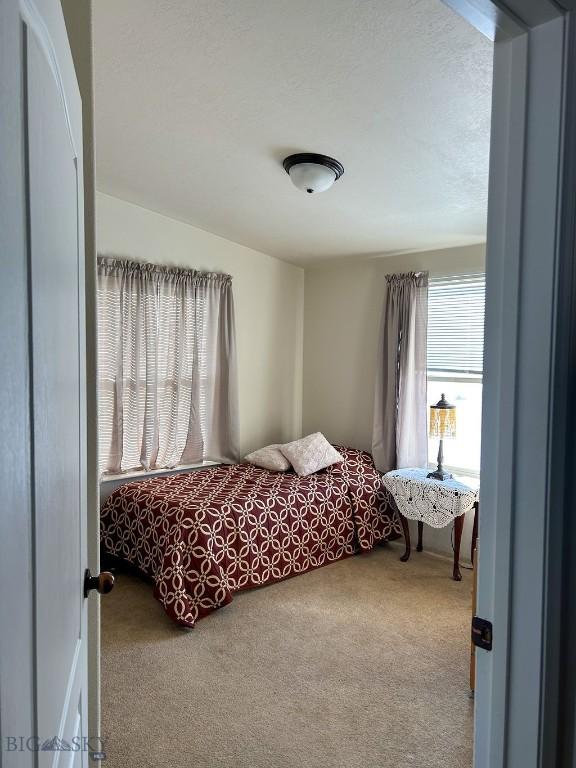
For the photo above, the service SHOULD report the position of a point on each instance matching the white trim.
(138, 474)
(501, 20)
(492, 21)
(534, 383)
(498, 446)
(458, 472)
(459, 378)
(35, 22)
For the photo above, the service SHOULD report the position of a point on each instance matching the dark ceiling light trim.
(312, 157)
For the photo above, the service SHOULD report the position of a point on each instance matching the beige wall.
(269, 303)
(342, 308)
(307, 340)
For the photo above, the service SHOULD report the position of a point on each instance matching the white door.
(43, 550)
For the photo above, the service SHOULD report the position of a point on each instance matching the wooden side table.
(434, 502)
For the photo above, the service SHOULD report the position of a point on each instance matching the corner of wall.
(299, 393)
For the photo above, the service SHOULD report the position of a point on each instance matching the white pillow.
(310, 454)
(269, 457)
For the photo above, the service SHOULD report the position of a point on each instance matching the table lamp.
(442, 425)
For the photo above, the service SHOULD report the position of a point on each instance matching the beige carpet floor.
(363, 663)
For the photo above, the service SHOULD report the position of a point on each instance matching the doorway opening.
(338, 651)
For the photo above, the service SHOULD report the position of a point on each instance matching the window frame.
(451, 376)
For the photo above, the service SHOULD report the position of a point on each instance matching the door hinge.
(482, 633)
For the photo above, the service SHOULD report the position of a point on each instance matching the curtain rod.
(109, 263)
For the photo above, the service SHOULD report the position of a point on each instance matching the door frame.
(525, 579)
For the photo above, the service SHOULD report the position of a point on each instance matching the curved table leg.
(458, 527)
(406, 556)
(419, 546)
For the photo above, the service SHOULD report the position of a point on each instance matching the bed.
(204, 535)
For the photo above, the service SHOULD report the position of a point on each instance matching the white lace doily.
(434, 502)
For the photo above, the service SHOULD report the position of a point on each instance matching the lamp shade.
(311, 172)
(442, 419)
(311, 177)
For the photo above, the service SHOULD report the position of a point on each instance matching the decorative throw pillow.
(269, 457)
(310, 454)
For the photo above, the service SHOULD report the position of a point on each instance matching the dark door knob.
(103, 583)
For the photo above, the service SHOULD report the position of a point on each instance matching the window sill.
(140, 473)
(468, 476)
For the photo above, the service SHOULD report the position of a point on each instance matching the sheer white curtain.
(399, 437)
(167, 392)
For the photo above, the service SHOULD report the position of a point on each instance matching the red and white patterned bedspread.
(204, 535)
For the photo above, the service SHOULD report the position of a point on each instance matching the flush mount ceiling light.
(312, 173)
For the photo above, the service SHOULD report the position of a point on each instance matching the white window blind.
(456, 323)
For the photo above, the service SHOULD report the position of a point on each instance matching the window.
(166, 367)
(455, 353)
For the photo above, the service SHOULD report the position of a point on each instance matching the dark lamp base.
(439, 475)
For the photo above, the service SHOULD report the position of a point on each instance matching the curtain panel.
(399, 437)
(167, 381)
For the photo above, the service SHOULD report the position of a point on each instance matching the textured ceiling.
(198, 102)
